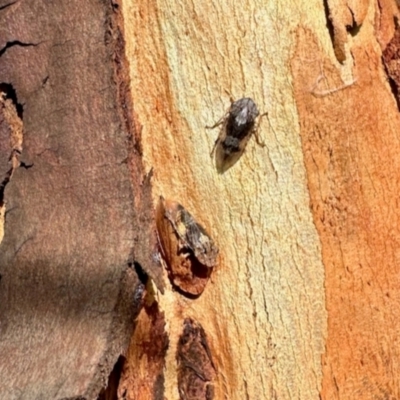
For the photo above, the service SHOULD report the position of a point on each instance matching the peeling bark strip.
(143, 372)
(188, 250)
(196, 370)
(11, 137)
(66, 292)
(145, 237)
(344, 17)
(111, 391)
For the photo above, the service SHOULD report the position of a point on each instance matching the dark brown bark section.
(196, 370)
(68, 297)
(391, 60)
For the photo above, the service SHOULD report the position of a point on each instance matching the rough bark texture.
(68, 296)
(303, 302)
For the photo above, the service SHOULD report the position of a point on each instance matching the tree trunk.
(114, 101)
(68, 292)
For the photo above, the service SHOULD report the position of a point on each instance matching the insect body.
(192, 235)
(238, 125)
(189, 252)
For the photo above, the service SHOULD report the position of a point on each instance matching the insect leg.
(220, 122)
(231, 98)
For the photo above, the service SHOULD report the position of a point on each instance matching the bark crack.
(355, 27)
(16, 43)
(7, 5)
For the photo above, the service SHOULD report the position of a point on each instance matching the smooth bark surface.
(303, 303)
(263, 310)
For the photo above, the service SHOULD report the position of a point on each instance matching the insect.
(188, 250)
(192, 235)
(238, 124)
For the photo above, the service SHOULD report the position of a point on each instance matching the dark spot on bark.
(110, 392)
(329, 24)
(196, 369)
(143, 277)
(354, 28)
(391, 61)
(14, 43)
(10, 93)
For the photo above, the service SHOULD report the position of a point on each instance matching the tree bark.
(264, 309)
(71, 191)
(303, 302)
(114, 100)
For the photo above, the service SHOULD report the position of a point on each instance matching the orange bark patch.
(350, 140)
(143, 372)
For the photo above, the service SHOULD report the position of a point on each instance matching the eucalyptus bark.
(114, 100)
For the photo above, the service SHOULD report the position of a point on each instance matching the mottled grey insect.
(188, 252)
(192, 235)
(238, 124)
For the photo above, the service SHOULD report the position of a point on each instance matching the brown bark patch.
(196, 369)
(66, 291)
